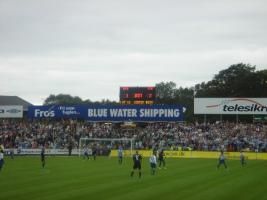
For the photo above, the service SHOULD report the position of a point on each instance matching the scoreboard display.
(137, 95)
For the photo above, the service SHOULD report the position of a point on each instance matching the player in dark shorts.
(70, 148)
(43, 157)
(120, 154)
(94, 151)
(162, 159)
(137, 160)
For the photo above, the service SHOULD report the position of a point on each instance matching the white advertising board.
(230, 106)
(47, 151)
(11, 111)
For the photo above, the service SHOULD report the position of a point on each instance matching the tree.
(66, 99)
(106, 102)
(260, 85)
(239, 80)
(165, 93)
(62, 99)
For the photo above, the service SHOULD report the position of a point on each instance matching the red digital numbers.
(138, 95)
(150, 88)
(150, 96)
(125, 88)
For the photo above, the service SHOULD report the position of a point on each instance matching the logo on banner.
(253, 107)
(40, 113)
(13, 111)
(69, 110)
(2, 111)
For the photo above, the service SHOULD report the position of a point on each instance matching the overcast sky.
(89, 48)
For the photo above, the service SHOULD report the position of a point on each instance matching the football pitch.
(75, 178)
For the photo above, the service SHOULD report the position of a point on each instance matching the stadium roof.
(14, 100)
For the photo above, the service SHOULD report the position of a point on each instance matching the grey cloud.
(80, 46)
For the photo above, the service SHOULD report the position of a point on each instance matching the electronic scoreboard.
(137, 95)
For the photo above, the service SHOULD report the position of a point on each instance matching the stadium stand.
(210, 137)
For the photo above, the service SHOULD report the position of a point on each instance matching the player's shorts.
(137, 166)
(161, 159)
(222, 161)
(42, 158)
(153, 165)
(1, 163)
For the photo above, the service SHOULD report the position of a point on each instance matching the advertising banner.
(11, 111)
(38, 151)
(56, 112)
(110, 113)
(230, 106)
(135, 113)
(195, 154)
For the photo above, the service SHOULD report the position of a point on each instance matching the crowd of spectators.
(174, 136)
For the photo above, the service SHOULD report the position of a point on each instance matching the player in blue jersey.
(1, 156)
(221, 161)
(43, 156)
(137, 160)
(120, 154)
(153, 163)
(242, 159)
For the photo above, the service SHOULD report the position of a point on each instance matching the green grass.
(74, 178)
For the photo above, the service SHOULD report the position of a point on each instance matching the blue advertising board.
(110, 113)
(56, 111)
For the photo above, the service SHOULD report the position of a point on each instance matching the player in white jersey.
(85, 152)
(153, 163)
(221, 161)
(242, 159)
(1, 157)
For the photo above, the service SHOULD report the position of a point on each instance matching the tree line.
(238, 80)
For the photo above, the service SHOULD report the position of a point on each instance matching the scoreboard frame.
(137, 95)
